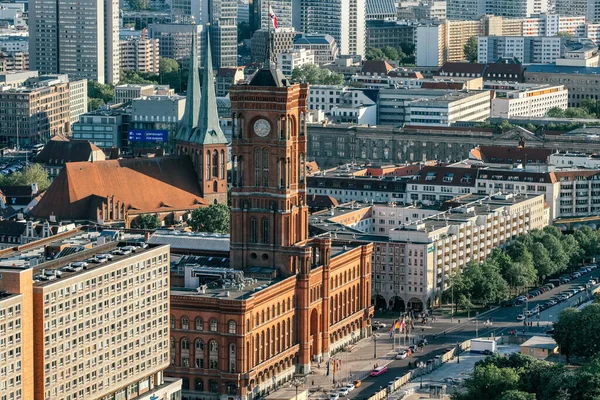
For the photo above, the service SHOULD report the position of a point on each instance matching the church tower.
(269, 216)
(200, 135)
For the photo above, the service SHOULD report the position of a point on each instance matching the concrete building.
(580, 53)
(381, 10)
(582, 83)
(593, 11)
(103, 128)
(14, 62)
(15, 79)
(226, 77)
(532, 102)
(536, 50)
(157, 113)
(450, 108)
(540, 347)
(344, 20)
(294, 58)
(174, 40)
(465, 9)
(48, 352)
(130, 91)
(431, 9)
(140, 55)
(78, 100)
(355, 107)
(14, 43)
(283, 39)
(567, 159)
(473, 9)
(570, 8)
(89, 51)
(324, 47)
(393, 103)
(41, 107)
(243, 11)
(390, 33)
(440, 42)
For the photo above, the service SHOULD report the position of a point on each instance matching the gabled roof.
(462, 67)
(141, 184)
(228, 72)
(60, 150)
(376, 67)
(208, 130)
(514, 155)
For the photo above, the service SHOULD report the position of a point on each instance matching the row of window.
(199, 325)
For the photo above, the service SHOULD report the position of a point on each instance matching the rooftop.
(447, 98)
(541, 342)
(191, 241)
(560, 69)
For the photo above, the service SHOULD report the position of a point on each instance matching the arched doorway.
(415, 304)
(379, 302)
(315, 333)
(397, 304)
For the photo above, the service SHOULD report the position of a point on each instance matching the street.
(444, 334)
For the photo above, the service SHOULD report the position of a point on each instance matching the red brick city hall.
(243, 325)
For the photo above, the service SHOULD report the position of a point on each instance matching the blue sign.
(147, 135)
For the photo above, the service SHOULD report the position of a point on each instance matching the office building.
(128, 92)
(465, 9)
(59, 43)
(174, 40)
(582, 83)
(223, 31)
(324, 47)
(50, 326)
(529, 102)
(526, 49)
(78, 100)
(439, 42)
(283, 40)
(392, 103)
(381, 10)
(390, 33)
(570, 8)
(102, 128)
(431, 9)
(157, 113)
(593, 11)
(140, 55)
(474, 9)
(243, 11)
(294, 58)
(344, 20)
(449, 109)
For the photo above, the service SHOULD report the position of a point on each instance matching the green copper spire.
(208, 130)
(192, 102)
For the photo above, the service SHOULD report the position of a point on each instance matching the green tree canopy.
(100, 91)
(211, 219)
(34, 173)
(146, 221)
(374, 53)
(94, 104)
(470, 49)
(139, 4)
(167, 65)
(313, 74)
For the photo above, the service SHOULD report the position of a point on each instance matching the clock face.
(262, 127)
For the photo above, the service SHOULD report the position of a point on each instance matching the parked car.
(401, 355)
(507, 303)
(343, 392)
(592, 281)
(349, 386)
(357, 383)
(520, 317)
(334, 396)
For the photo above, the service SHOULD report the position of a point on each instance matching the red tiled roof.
(514, 155)
(376, 67)
(142, 184)
(573, 175)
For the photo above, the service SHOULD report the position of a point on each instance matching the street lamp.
(375, 337)
(421, 366)
(297, 382)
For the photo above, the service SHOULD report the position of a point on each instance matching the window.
(185, 323)
(215, 162)
(213, 386)
(199, 324)
(222, 165)
(199, 353)
(172, 322)
(265, 166)
(232, 355)
(208, 165)
(232, 327)
(257, 167)
(185, 344)
(265, 232)
(253, 230)
(213, 355)
(213, 325)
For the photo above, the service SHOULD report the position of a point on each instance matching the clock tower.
(269, 216)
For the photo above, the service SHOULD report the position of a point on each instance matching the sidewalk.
(355, 365)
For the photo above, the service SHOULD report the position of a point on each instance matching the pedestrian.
(313, 382)
(459, 321)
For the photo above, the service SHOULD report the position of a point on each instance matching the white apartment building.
(324, 47)
(533, 102)
(393, 103)
(430, 45)
(473, 9)
(344, 20)
(465, 9)
(294, 58)
(415, 265)
(579, 193)
(450, 108)
(140, 55)
(528, 50)
(78, 101)
(574, 160)
(553, 24)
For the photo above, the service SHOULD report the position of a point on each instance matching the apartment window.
(232, 327)
(213, 325)
(199, 324)
(185, 323)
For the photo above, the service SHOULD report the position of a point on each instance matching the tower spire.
(208, 130)
(192, 101)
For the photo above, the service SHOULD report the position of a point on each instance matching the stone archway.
(415, 304)
(397, 304)
(379, 302)
(315, 333)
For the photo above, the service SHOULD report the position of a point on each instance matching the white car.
(401, 355)
(334, 396)
(343, 392)
(520, 317)
(349, 386)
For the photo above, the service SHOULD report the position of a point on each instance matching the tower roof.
(192, 101)
(208, 130)
(269, 77)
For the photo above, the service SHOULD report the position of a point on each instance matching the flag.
(273, 17)
(334, 366)
(327, 371)
(392, 329)
(402, 325)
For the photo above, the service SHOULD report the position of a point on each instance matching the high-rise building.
(526, 49)
(593, 11)
(323, 46)
(570, 7)
(474, 9)
(140, 55)
(100, 331)
(259, 14)
(175, 40)
(282, 39)
(222, 17)
(381, 9)
(79, 38)
(344, 20)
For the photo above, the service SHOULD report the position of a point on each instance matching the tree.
(555, 112)
(470, 49)
(212, 219)
(100, 91)
(392, 53)
(311, 73)
(374, 53)
(243, 31)
(541, 261)
(34, 173)
(516, 395)
(136, 78)
(139, 4)
(489, 382)
(94, 104)
(587, 240)
(565, 331)
(167, 65)
(146, 221)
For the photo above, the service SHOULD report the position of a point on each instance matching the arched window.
(281, 173)
(288, 165)
(386, 153)
(222, 165)
(213, 325)
(172, 322)
(213, 386)
(232, 327)
(363, 153)
(215, 164)
(302, 124)
(215, 186)
(199, 353)
(172, 343)
(265, 166)
(265, 230)
(257, 168)
(213, 355)
(375, 152)
(200, 384)
(234, 171)
(185, 344)
(208, 165)
(253, 230)
(199, 324)
(185, 323)
(232, 354)
(302, 168)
